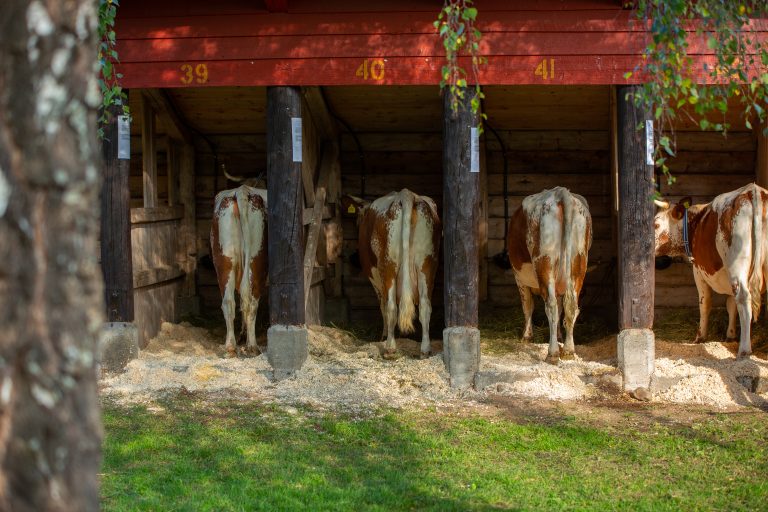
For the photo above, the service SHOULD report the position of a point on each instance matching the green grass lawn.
(191, 453)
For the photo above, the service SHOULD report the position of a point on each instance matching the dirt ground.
(346, 373)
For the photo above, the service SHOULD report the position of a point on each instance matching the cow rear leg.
(744, 306)
(730, 333)
(553, 315)
(229, 310)
(250, 308)
(391, 318)
(570, 312)
(526, 298)
(705, 304)
(425, 312)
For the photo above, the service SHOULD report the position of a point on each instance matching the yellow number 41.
(544, 71)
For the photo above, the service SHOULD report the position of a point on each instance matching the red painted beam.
(502, 70)
(277, 5)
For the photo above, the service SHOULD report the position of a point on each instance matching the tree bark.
(51, 304)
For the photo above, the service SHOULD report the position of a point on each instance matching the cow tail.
(407, 309)
(569, 300)
(245, 234)
(756, 276)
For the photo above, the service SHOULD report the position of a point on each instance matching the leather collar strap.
(686, 244)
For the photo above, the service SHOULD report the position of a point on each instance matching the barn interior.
(391, 138)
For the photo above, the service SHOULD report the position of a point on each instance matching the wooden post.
(461, 217)
(172, 171)
(116, 263)
(483, 227)
(287, 336)
(149, 153)
(187, 253)
(635, 242)
(286, 243)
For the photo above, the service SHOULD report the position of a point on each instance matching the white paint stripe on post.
(123, 138)
(474, 153)
(296, 138)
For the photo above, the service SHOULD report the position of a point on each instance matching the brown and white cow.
(728, 252)
(398, 243)
(548, 240)
(239, 249)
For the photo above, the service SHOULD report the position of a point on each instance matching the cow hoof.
(567, 356)
(390, 354)
(230, 353)
(527, 339)
(251, 351)
(552, 359)
(698, 339)
(424, 355)
(731, 340)
(744, 355)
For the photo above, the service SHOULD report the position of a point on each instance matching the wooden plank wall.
(154, 235)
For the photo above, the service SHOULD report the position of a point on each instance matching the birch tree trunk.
(50, 287)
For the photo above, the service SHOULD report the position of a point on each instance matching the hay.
(343, 371)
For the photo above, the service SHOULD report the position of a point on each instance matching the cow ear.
(678, 211)
(351, 205)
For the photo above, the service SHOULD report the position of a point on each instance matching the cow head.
(354, 206)
(668, 227)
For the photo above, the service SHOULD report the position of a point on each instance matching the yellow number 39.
(198, 73)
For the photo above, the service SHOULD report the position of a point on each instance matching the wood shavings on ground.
(343, 372)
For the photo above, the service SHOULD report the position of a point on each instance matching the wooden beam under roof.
(162, 103)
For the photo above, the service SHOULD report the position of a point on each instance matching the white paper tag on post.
(123, 138)
(296, 138)
(474, 150)
(649, 142)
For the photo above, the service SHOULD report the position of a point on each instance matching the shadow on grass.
(194, 454)
(235, 456)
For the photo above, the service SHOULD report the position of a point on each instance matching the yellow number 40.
(547, 72)
(373, 69)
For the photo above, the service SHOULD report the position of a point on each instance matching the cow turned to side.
(239, 249)
(548, 241)
(727, 250)
(398, 244)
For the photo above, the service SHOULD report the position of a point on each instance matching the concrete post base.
(287, 349)
(118, 344)
(461, 354)
(636, 354)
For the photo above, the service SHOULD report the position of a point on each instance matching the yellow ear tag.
(351, 209)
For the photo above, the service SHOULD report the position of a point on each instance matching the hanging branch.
(456, 26)
(109, 80)
(672, 83)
